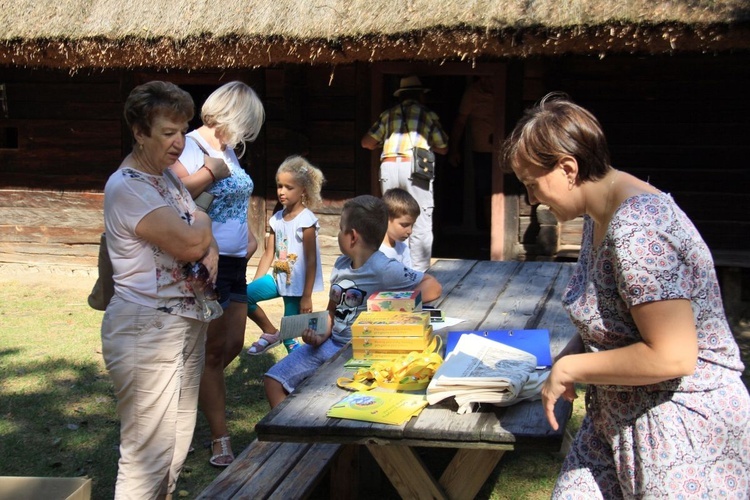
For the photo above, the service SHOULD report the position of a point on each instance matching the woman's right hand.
(555, 387)
(217, 166)
(211, 261)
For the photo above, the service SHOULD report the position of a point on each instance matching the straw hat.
(410, 83)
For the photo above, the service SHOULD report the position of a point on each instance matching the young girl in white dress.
(290, 266)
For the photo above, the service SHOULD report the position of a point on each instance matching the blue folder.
(535, 342)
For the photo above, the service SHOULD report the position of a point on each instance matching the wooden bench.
(268, 469)
(729, 265)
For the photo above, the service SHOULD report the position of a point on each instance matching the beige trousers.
(155, 360)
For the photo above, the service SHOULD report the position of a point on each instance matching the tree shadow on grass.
(57, 419)
(245, 405)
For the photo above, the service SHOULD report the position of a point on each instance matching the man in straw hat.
(398, 130)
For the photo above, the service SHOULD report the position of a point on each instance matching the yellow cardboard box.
(47, 488)
(391, 343)
(394, 324)
(404, 301)
(378, 355)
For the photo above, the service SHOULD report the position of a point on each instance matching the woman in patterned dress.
(667, 414)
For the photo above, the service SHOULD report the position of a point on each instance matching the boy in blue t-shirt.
(358, 273)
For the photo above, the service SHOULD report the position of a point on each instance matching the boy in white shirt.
(403, 211)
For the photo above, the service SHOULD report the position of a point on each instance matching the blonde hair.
(236, 112)
(306, 175)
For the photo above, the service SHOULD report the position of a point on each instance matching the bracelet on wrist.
(213, 177)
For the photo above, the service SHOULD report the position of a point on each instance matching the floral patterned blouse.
(651, 252)
(144, 273)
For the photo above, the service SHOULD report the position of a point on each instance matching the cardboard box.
(376, 355)
(391, 343)
(47, 488)
(405, 301)
(393, 324)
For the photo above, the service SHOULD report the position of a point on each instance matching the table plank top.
(488, 295)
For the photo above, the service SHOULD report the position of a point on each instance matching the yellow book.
(395, 324)
(380, 407)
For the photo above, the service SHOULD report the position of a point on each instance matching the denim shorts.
(231, 282)
(301, 363)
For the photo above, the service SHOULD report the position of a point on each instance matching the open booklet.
(293, 326)
(480, 370)
(392, 408)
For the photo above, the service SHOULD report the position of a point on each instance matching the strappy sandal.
(265, 342)
(225, 452)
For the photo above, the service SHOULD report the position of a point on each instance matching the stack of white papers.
(480, 370)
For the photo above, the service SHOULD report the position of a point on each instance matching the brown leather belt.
(398, 159)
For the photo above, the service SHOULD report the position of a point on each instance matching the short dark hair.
(367, 215)
(155, 98)
(399, 203)
(556, 127)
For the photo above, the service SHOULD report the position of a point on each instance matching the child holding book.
(359, 272)
(290, 266)
(403, 211)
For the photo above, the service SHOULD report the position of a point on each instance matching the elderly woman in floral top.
(153, 331)
(667, 413)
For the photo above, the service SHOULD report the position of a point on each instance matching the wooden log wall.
(62, 131)
(61, 138)
(64, 135)
(50, 227)
(679, 122)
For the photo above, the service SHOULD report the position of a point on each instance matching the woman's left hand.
(555, 387)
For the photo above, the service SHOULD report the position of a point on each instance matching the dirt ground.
(83, 278)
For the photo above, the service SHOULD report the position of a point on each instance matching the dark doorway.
(461, 224)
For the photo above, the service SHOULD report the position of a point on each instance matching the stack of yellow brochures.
(379, 407)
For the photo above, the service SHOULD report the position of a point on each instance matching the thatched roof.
(193, 34)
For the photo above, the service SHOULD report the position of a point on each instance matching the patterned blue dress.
(682, 438)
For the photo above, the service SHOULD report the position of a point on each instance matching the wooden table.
(488, 295)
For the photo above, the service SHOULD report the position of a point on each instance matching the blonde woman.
(232, 116)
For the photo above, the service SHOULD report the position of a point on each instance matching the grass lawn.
(57, 408)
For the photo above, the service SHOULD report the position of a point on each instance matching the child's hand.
(305, 305)
(312, 337)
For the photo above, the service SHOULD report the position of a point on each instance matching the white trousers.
(398, 175)
(155, 360)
